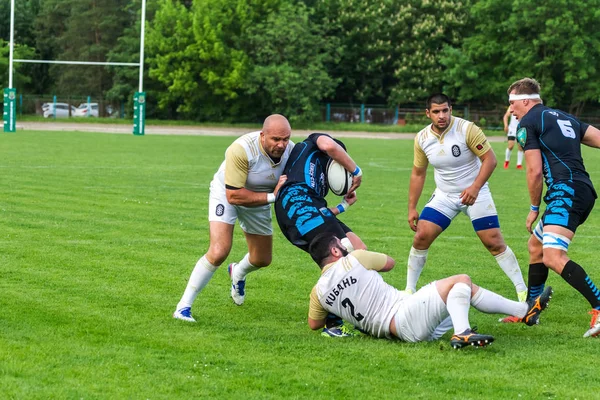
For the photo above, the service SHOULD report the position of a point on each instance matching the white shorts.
(420, 314)
(253, 220)
(450, 204)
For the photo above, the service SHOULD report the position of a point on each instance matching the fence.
(72, 106)
(488, 118)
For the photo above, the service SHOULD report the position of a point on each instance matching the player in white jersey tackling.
(351, 288)
(463, 161)
(510, 128)
(242, 189)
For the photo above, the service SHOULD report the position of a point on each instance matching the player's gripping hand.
(356, 181)
(413, 219)
(350, 198)
(469, 195)
(282, 180)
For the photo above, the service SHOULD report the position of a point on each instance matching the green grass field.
(98, 236)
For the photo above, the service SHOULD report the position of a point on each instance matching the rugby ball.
(338, 178)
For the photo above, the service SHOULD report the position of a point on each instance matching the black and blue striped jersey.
(557, 135)
(307, 164)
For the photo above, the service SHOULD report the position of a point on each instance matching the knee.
(535, 249)
(495, 244)
(463, 278)
(554, 261)
(217, 254)
(421, 240)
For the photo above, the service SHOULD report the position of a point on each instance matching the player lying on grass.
(351, 288)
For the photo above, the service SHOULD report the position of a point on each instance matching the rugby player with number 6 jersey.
(552, 142)
(462, 161)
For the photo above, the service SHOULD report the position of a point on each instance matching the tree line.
(239, 60)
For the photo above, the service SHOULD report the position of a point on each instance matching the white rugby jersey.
(352, 289)
(454, 154)
(247, 165)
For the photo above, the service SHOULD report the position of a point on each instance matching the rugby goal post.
(10, 93)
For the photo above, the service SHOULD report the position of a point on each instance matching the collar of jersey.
(273, 163)
(440, 136)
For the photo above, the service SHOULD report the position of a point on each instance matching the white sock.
(507, 155)
(509, 264)
(458, 304)
(201, 275)
(347, 244)
(416, 263)
(243, 268)
(520, 157)
(492, 303)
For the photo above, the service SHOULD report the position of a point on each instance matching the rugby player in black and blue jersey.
(552, 142)
(300, 206)
(301, 209)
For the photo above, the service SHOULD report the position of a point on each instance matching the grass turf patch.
(98, 236)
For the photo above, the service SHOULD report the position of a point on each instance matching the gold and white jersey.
(352, 289)
(247, 165)
(454, 154)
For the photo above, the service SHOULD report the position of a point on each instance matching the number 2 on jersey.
(348, 304)
(566, 128)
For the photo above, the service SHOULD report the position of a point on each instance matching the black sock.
(332, 321)
(579, 279)
(536, 280)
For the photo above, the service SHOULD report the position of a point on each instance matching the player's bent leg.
(220, 244)
(221, 239)
(260, 250)
(488, 231)
(427, 232)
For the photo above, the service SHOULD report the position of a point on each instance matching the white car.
(82, 110)
(61, 110)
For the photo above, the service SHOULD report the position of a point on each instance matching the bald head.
(275, 135)
(276, 124)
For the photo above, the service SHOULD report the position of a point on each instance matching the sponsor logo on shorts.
(220, 210)
(456, 151)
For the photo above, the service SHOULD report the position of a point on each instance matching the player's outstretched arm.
(591, 137)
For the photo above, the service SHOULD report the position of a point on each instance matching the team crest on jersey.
(220, 210)
(456, 151)
(522, 136)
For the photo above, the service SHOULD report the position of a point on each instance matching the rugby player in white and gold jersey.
(351, 288)
(462, 161)
(242, 189)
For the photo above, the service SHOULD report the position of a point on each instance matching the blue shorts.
(302, 215)
(568, 204)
